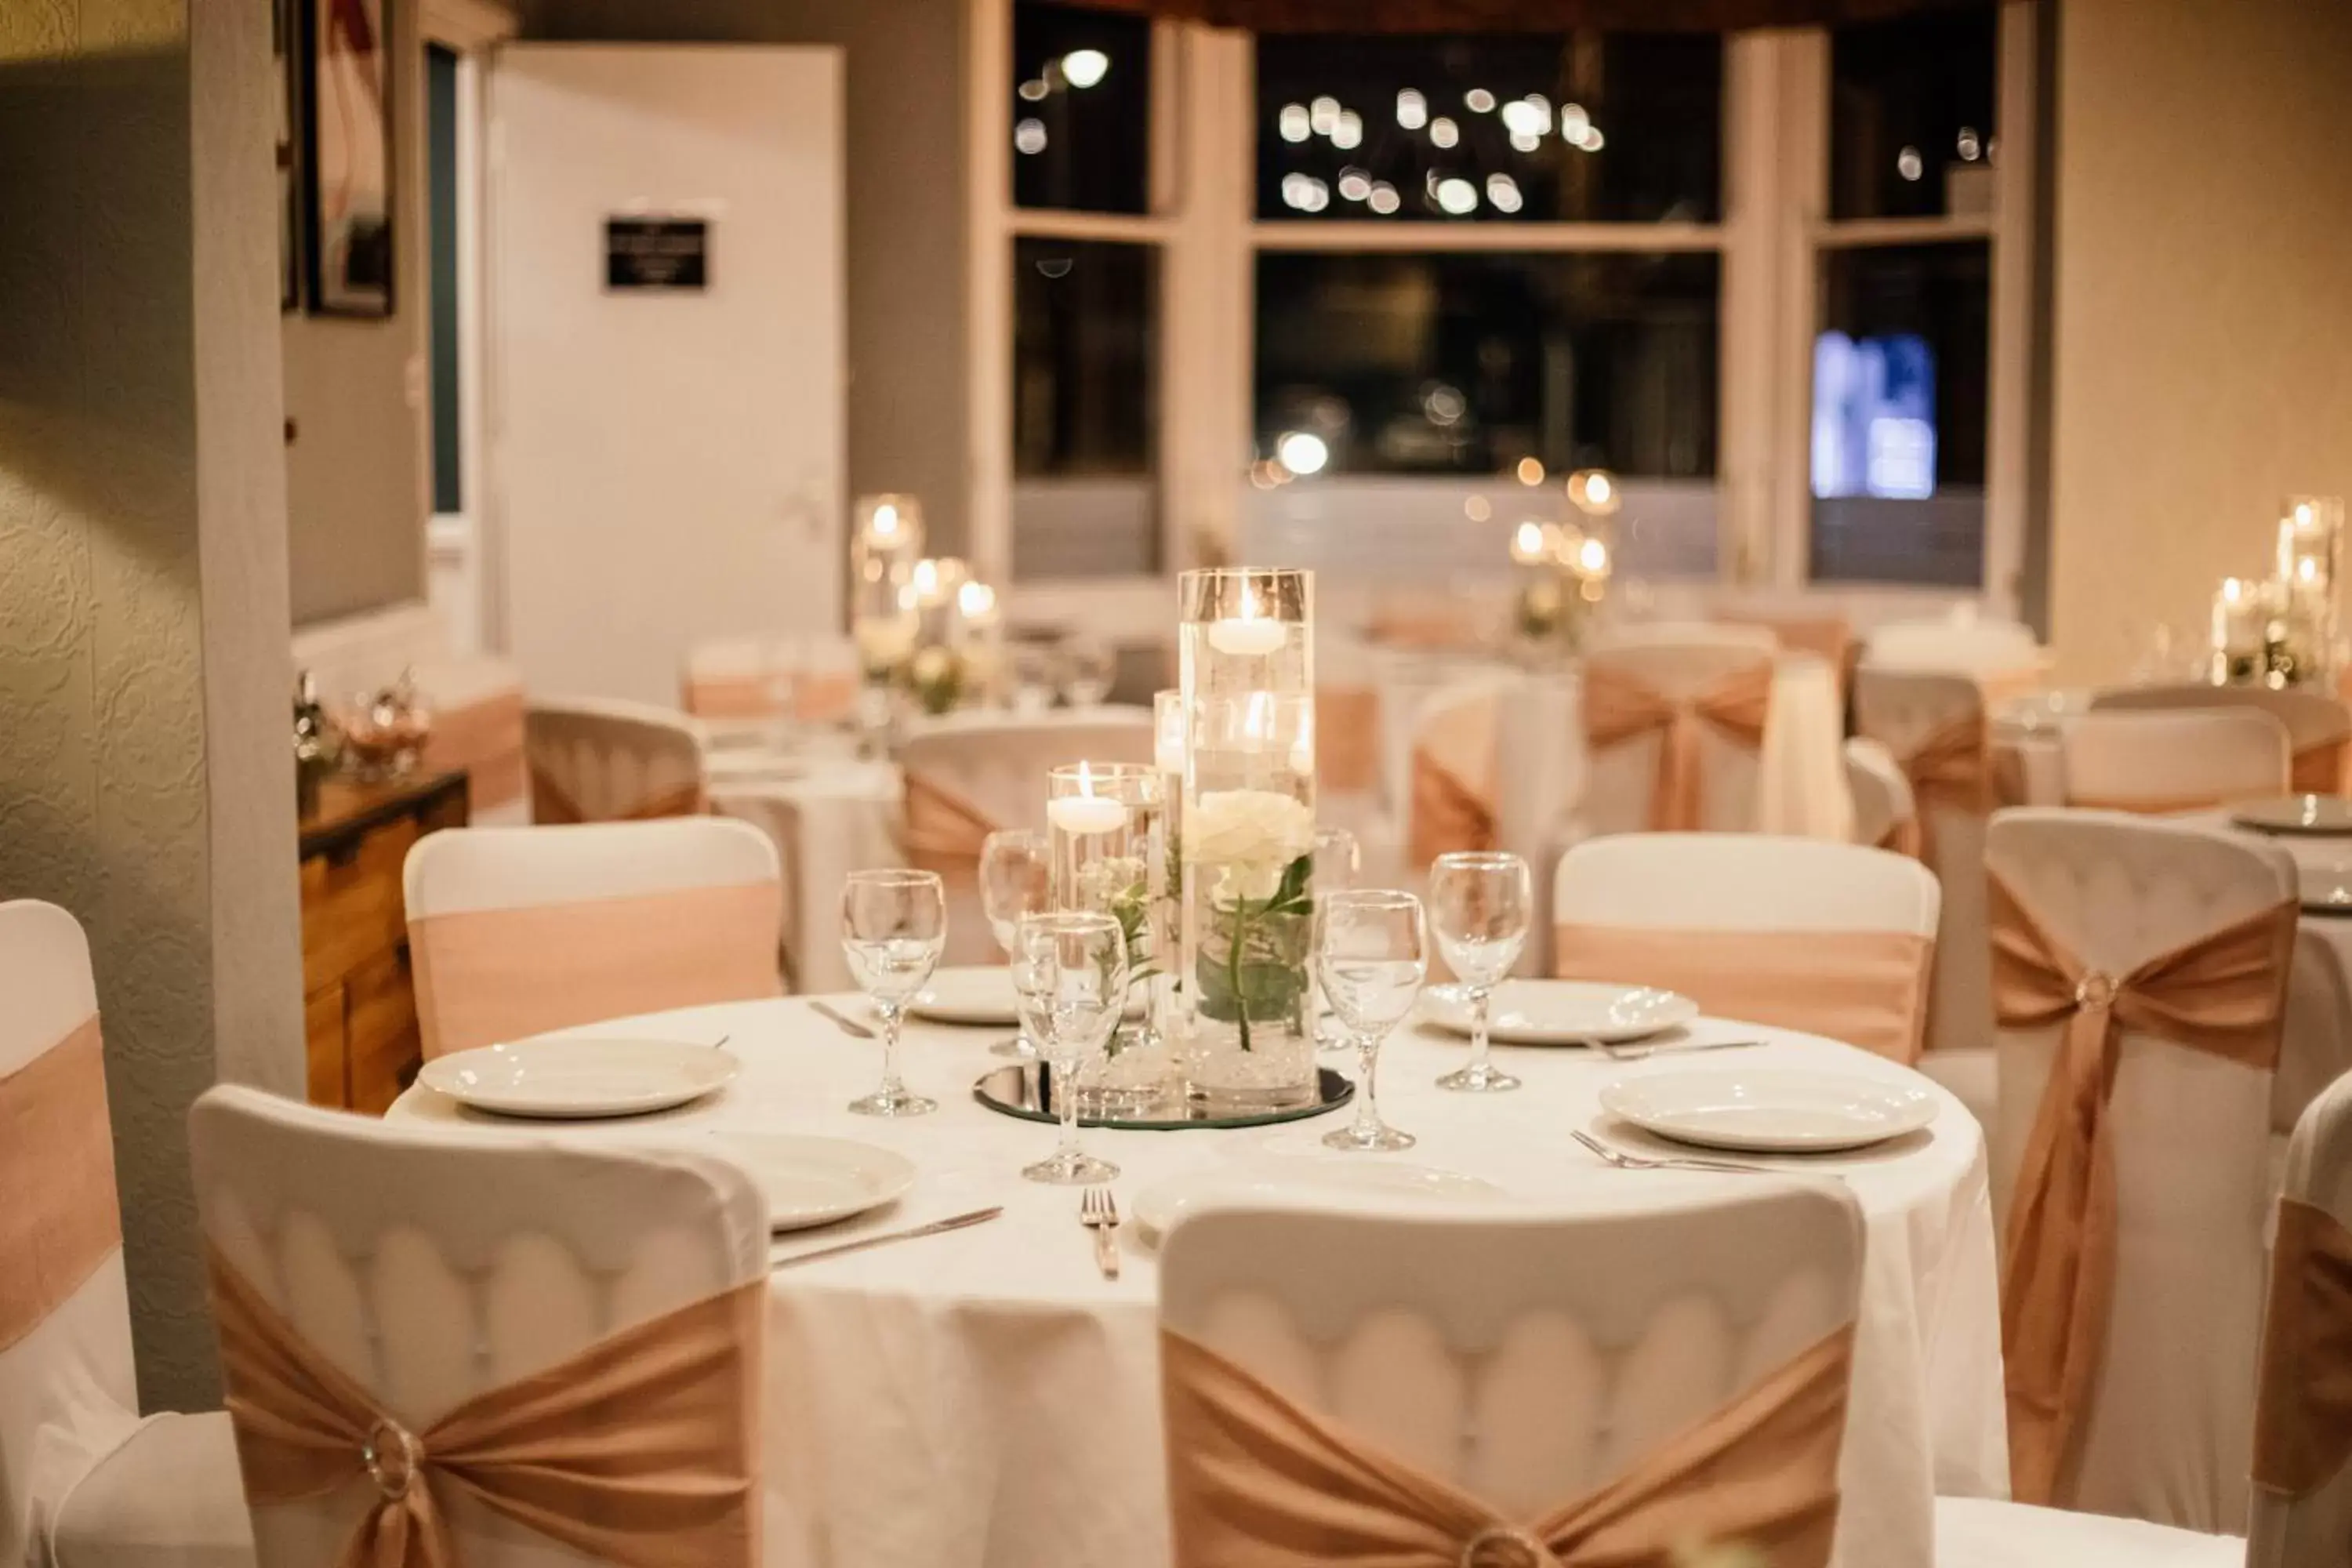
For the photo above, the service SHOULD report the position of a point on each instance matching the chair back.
(2182, 759)
(2303, 1487)
(2319, 724)
(1713, 683)
(1885, 813)
(1453, 801)
(2161, 1420)
(2001, 650)
(752, 678)
(1525, 1362)
(430, 1266)
(1798, 934)
(609, 761)
(518, 931)
(66, 1393)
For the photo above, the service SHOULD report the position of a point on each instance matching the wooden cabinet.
(359, 1004)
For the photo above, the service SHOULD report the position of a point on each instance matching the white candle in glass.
(1083, 815)
(1248, 635)
(1168, 732)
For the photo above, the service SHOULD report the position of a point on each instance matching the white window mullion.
(1752, 382)
(1803, 111)
(1205, 292)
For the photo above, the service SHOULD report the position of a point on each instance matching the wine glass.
(1035, 669)
(1338, 862)
(1069, 972)
(1371, 953)
(1480, 904)
(893, 925)
(1089, 668)
(1015, 879)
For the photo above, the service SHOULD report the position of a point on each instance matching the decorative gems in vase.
(1105, 829)
(1246, 850)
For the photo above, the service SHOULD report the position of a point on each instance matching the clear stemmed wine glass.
(1015, 879)
(1371, 953)
(1480, 904)
(1070, 973)
(1337, 863)
(1090, 670)
(893, 926)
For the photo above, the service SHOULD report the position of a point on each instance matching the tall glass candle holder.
(1245, 645)
(1106, 837)
(885, 543)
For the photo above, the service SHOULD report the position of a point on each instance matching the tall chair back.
(2319, 724)
(1675, 716)
(2178, 760)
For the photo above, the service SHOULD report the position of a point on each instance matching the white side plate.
(2321, 815)
(1770, 1110)
(816, 1181)
(972, 994)
(586, 1077)
(1563, 1011)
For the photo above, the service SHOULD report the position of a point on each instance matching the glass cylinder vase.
(1104, 828)
(1246, 649)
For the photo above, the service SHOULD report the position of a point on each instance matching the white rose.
(1258, 828)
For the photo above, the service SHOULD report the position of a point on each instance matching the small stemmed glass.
(1069, 972)
(1338, 861)
(1371, 953)
(894, 924)
(1480, 904)
(1015, 879)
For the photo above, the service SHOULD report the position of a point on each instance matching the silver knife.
(842, 1021)
(956, 1222)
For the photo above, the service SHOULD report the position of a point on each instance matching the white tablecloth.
(828, 817)
(985, 1399)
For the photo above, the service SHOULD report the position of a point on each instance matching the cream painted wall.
(355, 475)
(2203, 323)
(145, 779)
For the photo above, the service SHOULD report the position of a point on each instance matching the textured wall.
(909, 419)
(355, 476)
(2202, 357)
(119, 615)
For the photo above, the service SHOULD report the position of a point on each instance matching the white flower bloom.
(933, 665)
(883, 640)
(1254, 828)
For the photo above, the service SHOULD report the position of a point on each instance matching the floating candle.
(1085, 815)
(1245, 636)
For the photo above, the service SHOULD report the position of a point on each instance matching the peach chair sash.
(944, 831)
(2318, 768)
(1867, 988)
(2225, 994)
(641, 1451)
(1449, 817)
(2303, 1418)
(551, 802)
(1618, 705)
(1348, 738)
(56, 1167)
(823, 697)
(486, 975)
(818, 698)
(1949, 766)
(1258, 1482)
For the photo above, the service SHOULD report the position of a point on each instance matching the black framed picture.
(348, 162)
(285, 34)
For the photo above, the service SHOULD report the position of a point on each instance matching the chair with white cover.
(1615, 1386)
(759, 677)
(2139, 979)
(1452, 807)
(2301, 1500)
(518, 931)
(2003, 654)
(2319, 724)
(2180, 760)
(1675, 717)
(1885, 814)
(551, 1347)
(85, 1482)
(1797, 933)
(596, 760)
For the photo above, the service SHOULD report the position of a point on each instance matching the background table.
(984, 1398)
(827, 816)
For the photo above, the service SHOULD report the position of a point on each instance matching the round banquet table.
(985, 1398)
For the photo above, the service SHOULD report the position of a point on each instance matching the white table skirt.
(833, 817)
(985, 1400)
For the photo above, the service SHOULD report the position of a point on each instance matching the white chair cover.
(84, 1482)
(1885, 813)
(431, 1264)
(2170, 1421)
(2319, 724)
(751, 678)
(1523, 1359)
(1678, 659)
(605, 760)
(2181, 760)
(1960, 646)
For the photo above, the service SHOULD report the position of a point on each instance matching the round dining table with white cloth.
(827, 816)
(985, 1399)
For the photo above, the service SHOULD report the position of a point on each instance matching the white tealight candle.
(1083, 815)
(1246, 638)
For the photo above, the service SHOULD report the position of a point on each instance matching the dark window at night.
(1081, 109)
(1582, 127)
(1911, 116)
(1083, 357)
(1466, 363)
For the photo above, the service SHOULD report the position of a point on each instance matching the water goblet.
(1371, 954)
(1337, 863)
(1015, 879)
(893, 926)
(1069, 972)
(1090, 670)
(1480, 904)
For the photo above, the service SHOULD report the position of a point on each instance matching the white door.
(668, 459)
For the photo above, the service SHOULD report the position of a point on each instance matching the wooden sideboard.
(359, 1006)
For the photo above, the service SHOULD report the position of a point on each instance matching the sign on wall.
(668, 253)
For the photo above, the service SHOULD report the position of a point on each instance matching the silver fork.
(1616, 1053)
(842, 1021)
(1625, 1161)
(1098, 1211)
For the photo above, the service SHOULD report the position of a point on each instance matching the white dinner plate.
(1344, 1182)
(1563, 1011)
(2320, 815)
(2326, 890)
(577, 1077)
(815, 1180)
(1770, 1110)
(973, 995)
